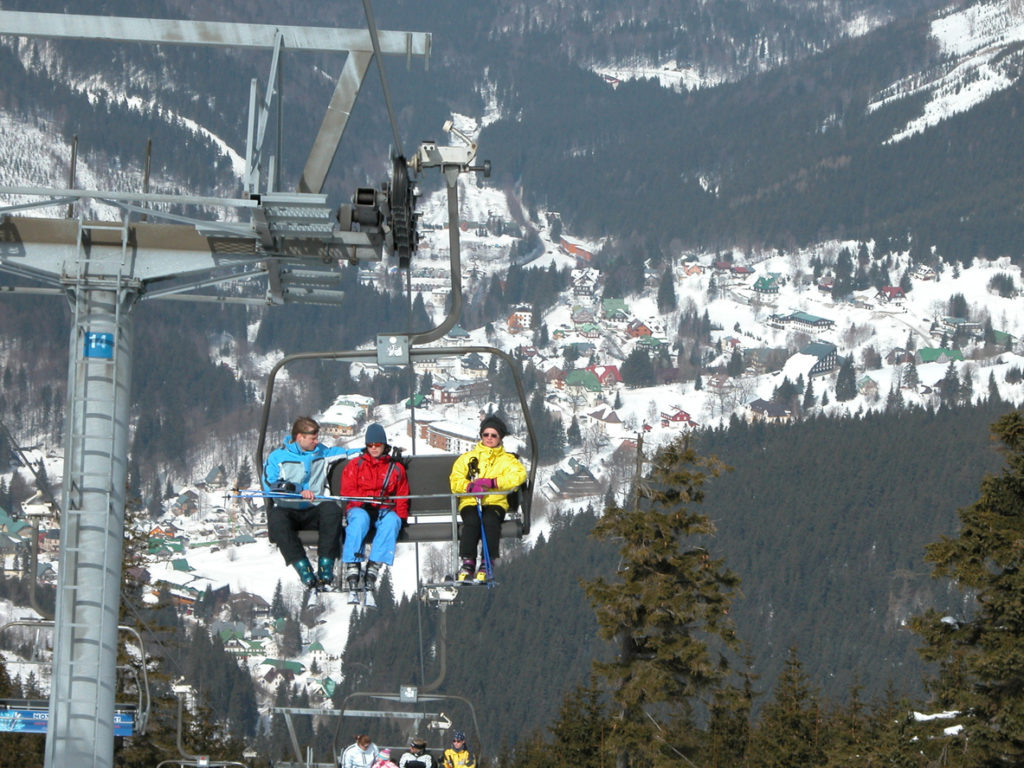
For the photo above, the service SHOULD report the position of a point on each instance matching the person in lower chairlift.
(362, 753)
(417, 756)
(487, 466)
(458, 754)
(374, 474)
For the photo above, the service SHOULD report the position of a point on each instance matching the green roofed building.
(937, 355)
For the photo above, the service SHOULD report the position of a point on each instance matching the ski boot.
(352, 578)
(325, 574)
(305, 571)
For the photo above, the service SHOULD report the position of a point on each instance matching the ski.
(451, 581)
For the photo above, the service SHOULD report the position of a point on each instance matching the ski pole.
(298, 496)
(488, 568)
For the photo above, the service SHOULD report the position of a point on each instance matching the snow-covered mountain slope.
(981, 45)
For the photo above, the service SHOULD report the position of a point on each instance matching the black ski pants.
(493, 516)
(284, 524)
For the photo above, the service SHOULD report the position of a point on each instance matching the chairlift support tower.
(292, 241)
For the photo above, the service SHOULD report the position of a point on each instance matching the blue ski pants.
(382, 550)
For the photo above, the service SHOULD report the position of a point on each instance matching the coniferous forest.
(831, 562)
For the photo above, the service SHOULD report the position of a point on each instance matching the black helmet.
(418, 744)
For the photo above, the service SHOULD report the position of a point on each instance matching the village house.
(457, 335)
(922, 272)
(808, 322)
(343, 417)
(638, 328)
(450, 437)
(459, 390)
(581, 382)
(574, 481)
(473, 366)
(899, 356)
(608, 375)
(585, 282)
(216, 477)
(581, 315)
(769, 412)
(766, 286)
(521, 319)
(867, 386)
(741, 271)
(651, 343)
(605, 416)
(677, 417)
(890, 293)
(955, 325)
(580, 348)
(583, 256)
(937, 355)
(720, 384)
(827, 355)
(615, 310)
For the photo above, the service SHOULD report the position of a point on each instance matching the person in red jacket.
(375, 475)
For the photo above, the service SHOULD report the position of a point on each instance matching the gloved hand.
(480, 485)
(283, 486)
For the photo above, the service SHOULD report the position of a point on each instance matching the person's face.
(458, 743)
(490, 437)
(375, 449)
(307, 440)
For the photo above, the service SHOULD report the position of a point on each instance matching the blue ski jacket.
(306, 470)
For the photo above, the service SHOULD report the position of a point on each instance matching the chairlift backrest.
(432, 506)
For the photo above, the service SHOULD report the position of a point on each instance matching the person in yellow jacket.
(458, 754)
(487, 466)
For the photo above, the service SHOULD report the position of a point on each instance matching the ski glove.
(480, 485)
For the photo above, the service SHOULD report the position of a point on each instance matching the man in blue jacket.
(300, 467)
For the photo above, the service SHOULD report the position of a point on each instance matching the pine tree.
(980, 671)
(735, 365)
(993, 390)
(582, 723)
(244, 479)
(637, 369)
(729, 724)
(291, 638)
(910, 377)
(668, 604)
(573, 436)
(667, 292)
(967, 387)
(277, 606)
(809, 398)
(790, 730)
(894, 400)
(846, 382)
(949, 386)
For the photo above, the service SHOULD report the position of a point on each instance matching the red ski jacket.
(364, 476)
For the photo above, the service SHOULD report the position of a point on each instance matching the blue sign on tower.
(99, 345)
